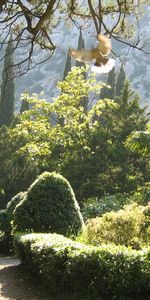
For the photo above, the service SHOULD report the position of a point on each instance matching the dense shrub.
(4, 222)
(94, 207)
(5, 229)
(142, 194)
(11, 205)
(108, 272)
(145, 227)
(6, 217)
(2, 199)
(48, 206)
(5, 244)
(123, 227)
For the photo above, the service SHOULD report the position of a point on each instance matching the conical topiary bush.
(49, 206)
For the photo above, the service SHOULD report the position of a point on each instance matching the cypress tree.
(67, 66)
(85, 101)
(80, 46)
(7, 99)
(24, 106)
(120, 81)
(131, 115)
(109, 92)
(66, 71)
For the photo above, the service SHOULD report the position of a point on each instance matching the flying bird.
(98, 55)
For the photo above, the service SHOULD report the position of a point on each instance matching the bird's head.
(102, 38)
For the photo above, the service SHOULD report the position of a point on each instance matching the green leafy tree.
(130, 117)
(17, 170)
(89, 149)
(109, 167)
(139, 141)
(35, 144)
(7, 99)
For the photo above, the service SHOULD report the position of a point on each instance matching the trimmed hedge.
(106, 272)
(48, 206)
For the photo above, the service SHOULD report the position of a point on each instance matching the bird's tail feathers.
(104, 68)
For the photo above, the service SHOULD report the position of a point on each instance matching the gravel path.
(15, 284)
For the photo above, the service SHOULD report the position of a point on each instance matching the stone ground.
(16, 284)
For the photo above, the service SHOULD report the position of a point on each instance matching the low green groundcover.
(105, 272)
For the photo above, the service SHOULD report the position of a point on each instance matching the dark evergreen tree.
(7, 99)
(24, 106)
(67, 66)
(68, 61)
(110, 167)
(109, 92)
(120, 81)
(80, 46)
(132, 116)
(66, 70)
(82, 64)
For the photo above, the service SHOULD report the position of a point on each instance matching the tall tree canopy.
(88, 147)
(34, 23)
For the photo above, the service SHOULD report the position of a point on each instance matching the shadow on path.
(15, 284)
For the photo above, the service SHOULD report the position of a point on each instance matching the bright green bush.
(145, 227)
(108, 272)
(48, 206)
(122, 227)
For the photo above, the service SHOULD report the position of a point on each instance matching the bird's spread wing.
(98, 56)
(82, 55)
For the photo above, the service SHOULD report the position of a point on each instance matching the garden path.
(15, 284)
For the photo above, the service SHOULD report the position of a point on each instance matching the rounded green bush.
(48, 206)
